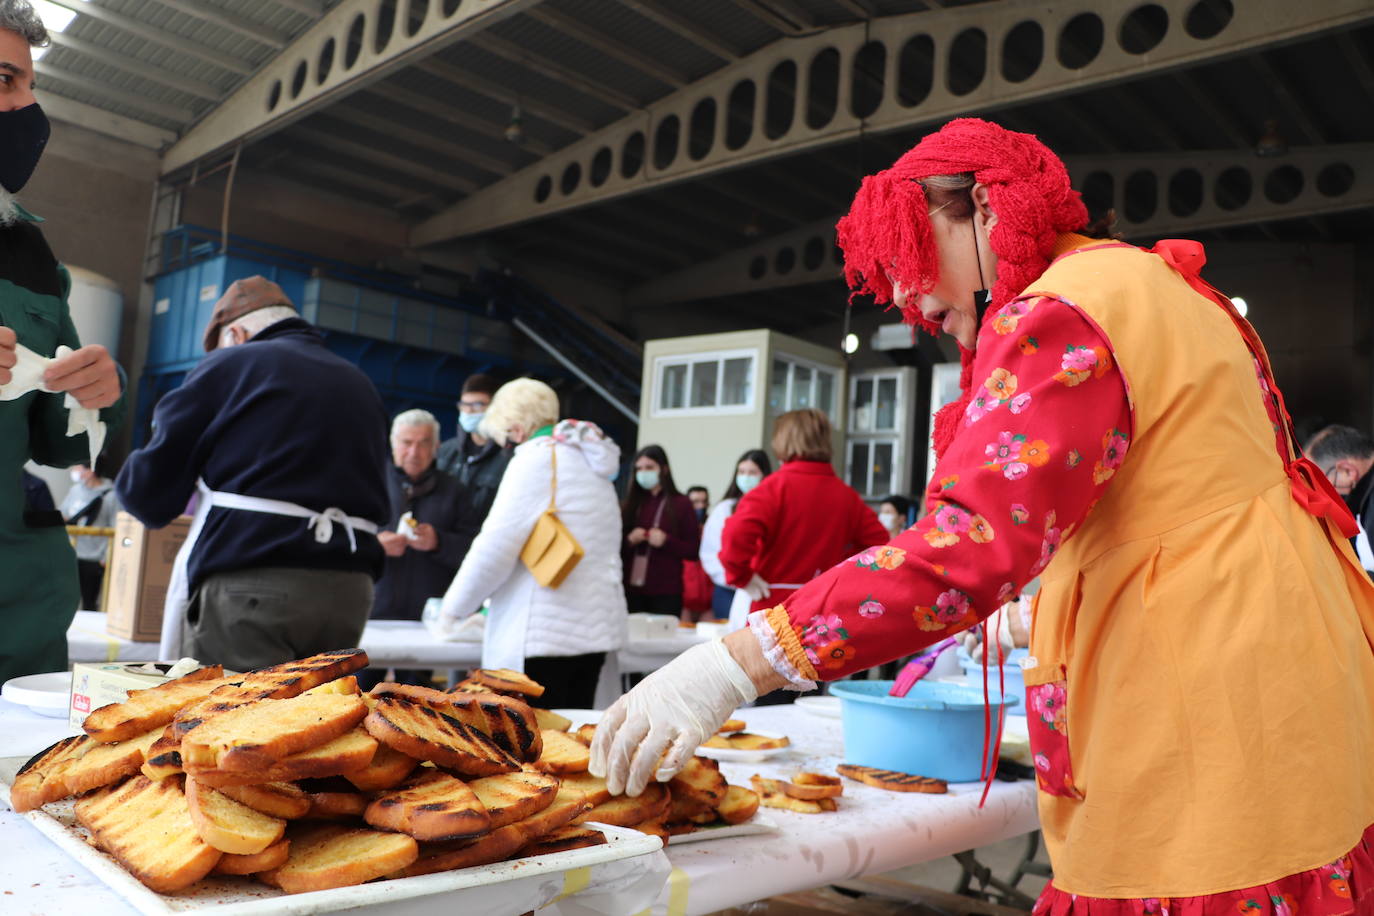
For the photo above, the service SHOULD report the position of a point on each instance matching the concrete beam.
(61, 108)
(1331, 179)
(266, 103)
(1255, 24)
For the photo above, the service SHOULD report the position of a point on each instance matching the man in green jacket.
(38, 582)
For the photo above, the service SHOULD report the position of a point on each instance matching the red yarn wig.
(887, 237)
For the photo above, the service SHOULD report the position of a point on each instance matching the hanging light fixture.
(515, 129)
(1271, 142)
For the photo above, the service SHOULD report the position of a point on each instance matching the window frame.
(690, 360)
(836, 383)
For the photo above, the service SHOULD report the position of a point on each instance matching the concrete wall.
(95, 193)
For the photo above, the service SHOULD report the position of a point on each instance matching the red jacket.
(795, 524)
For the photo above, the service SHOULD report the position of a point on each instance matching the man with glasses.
(1346, 455)
(477, 462)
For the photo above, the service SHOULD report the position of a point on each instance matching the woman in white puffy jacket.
(557, 636)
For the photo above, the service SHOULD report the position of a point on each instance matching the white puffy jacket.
(587, 612)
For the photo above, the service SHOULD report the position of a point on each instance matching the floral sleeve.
(1045, 432)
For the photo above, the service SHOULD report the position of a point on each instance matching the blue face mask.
(469, 421)
(747, 482)
(647, 479)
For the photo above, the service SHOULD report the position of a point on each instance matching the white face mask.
(75, 476)
(888, 520)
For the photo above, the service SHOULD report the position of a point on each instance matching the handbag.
(551, 552)
(639, 562)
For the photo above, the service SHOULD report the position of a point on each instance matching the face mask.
(23, 134)
(75, 476)
(747, 482)
(701, 515)
(887, 520)
(647, 479)
(469, 421)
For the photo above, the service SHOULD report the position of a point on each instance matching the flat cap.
(242, 296)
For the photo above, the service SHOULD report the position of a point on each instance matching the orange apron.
(1213, 636)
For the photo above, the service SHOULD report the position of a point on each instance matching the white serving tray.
(755, 825)
(738, 755)
(231, 896)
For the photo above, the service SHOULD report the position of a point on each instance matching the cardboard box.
(140, 568)
(94, 686)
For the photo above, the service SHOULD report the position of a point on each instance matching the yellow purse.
(551, 552)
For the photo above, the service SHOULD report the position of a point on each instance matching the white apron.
(173, 643)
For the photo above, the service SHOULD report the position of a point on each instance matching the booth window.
(705, 383)
(797, 384)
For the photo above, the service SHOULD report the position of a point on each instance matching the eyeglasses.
(472, 406)
(1331, 475)
(930, 213)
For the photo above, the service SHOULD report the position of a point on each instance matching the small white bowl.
(46, 694)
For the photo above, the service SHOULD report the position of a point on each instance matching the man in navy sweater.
(286, 445)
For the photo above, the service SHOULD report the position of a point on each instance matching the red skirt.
(1346, 886)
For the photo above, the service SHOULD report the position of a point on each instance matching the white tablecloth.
(874, 830)
(389, 643)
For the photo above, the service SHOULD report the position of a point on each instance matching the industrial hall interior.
(775, 457)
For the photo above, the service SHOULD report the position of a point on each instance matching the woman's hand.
(393, 544)
(426, 538)
(636, 537)
(657, 536)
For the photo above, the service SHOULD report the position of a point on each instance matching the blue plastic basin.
(935, 730)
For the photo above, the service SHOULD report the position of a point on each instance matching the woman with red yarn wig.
(1200, 686)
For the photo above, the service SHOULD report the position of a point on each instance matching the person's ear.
(982, 209)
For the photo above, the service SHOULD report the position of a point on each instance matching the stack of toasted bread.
(291, 775)
(695, 798)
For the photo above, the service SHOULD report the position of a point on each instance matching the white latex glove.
(673, 710)
(999, 627)
(757, 589)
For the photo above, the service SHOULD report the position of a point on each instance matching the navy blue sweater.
(279, 417)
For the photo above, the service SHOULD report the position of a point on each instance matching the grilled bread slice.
(415, 729)
(291, 679)
(510, 722)
(677, 828)
(511, 797)
(229, 825)
(147, 827)
(746, 741)
(504, 680)
(730, 726)
(585, 733)
(892, 780)
(546, 718)
(164, 755)
(273, 856)
(106, 764)
(348, 686)
(39, 781)
(594, 787)
(563, 754)
(700, 779)
(624, 810)
(739, 805)
(687, 807)
(574, 836)
(344, 754)
(278, 799)
(336, 806)
(654, 828)
(812, 786)
(773, 794)
(337, 856)
(501, 843)
(388, 769)
(146, 709)
(259, 734)
(433, 806)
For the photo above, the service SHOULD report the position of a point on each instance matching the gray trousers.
(249, 618)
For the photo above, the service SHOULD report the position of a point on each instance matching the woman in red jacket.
(799, 521)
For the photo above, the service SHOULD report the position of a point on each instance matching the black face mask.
(23, 134)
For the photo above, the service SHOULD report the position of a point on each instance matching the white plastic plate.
(46, 694)
(230, 896)
(826, 707)
(732, 755)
